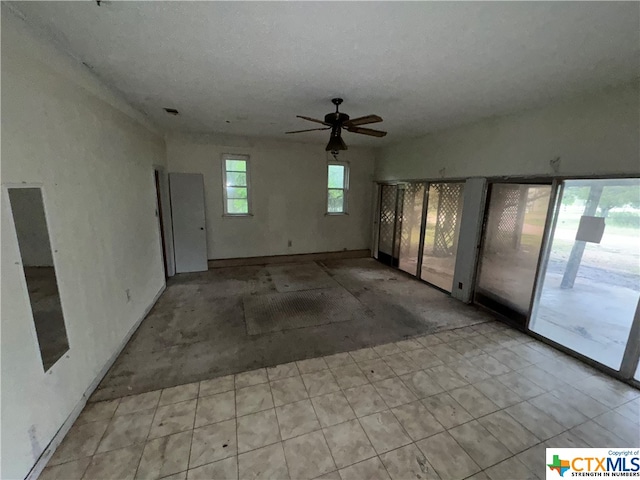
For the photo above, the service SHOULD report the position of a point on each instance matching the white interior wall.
(31, 227)
(595, 134)
(93, 157)
(288, 196)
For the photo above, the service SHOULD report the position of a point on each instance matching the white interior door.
(189, 233)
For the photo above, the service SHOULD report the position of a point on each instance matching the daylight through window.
(236, 184)
(338, 186)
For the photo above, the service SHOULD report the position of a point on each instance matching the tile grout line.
(390, 409)
(193, 430)
(323, 433)
(235, 409)
(101, 438)
(146, 438)
(273, 401)
(589, 418)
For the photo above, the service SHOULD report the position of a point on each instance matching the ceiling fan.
(336, 121)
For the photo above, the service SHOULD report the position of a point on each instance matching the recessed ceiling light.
(171, 111)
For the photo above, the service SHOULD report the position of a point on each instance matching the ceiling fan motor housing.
(336, 118)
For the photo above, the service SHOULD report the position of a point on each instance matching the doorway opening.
(159, 214)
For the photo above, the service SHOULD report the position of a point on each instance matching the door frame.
(401, 185)
(631, 356)
(423, 230)
(375, 231)
(388, 259)
(163, 242)
(164, 217)
(506, 314)
(423, 233)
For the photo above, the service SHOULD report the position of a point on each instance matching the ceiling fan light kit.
(337, 121)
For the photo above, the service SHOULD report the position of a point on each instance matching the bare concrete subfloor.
(198, 329)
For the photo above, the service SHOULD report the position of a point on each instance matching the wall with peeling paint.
(93, 156)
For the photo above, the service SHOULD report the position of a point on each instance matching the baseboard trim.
(301, 257)
(42, 461)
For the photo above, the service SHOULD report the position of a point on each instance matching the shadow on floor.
(199, 327)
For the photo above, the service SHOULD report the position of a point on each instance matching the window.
(236, 184)
(338, 186)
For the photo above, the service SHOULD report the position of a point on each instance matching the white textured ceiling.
(248, 68)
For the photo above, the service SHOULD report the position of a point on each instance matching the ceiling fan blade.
(314, 120)
(366, 131)
(363, 120)
(310, 130)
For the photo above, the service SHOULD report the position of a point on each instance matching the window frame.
(345, 188)
(225, 208)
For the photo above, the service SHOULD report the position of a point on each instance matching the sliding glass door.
(410, 224)
(590, 288)
(512, 238)
(419, 225)
(387, 245)
(582, 292)
(444, 213)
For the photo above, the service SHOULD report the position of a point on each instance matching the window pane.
(237, 205)
(236, 192)
(590, 289)
(336, 201)
(236, 179)
(236, 165)
(444, 212)
(336, 176)
(410, 227)
(511, 246)
(388, 197)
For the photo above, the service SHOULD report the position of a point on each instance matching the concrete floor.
(437, 271)
(597, 324)
(199, 330)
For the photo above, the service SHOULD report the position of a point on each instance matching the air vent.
(171, 111)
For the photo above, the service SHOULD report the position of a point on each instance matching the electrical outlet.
(128, 292)
(459, 285)
(290, 243)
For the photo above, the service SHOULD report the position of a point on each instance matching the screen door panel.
(387, 236)
(444, 215)
(409, 231)
(511, 242)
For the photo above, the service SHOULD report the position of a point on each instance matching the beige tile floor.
(475, 402)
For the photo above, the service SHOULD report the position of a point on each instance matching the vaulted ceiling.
(249, 68)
